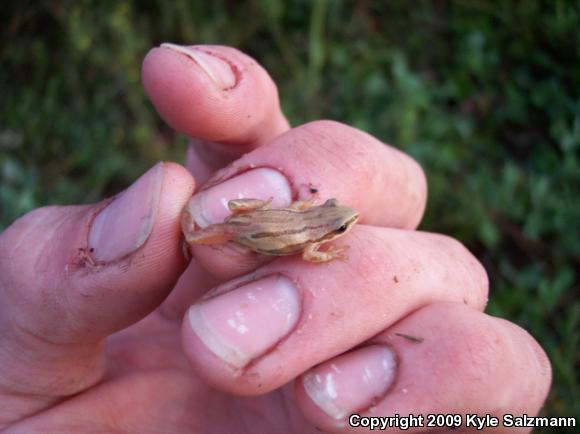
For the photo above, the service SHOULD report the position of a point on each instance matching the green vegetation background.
(485, 94)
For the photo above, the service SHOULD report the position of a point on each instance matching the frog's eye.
(342, 229)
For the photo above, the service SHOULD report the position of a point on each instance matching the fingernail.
(211, 205)
(217, 69)
(126, 223)
(242, 324)
(351, 382)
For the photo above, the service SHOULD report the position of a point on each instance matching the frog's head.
(340, 218)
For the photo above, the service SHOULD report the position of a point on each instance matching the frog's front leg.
(312, 254)
(242, 206)
(213, 234)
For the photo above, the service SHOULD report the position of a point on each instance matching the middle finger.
(257, 332)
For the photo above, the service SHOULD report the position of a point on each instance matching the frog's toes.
(338, 252)
(325, 256)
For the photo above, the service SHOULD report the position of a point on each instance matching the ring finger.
(437, 368)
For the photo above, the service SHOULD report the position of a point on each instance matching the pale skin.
(104, 347)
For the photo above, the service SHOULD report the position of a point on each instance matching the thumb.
(70, 276)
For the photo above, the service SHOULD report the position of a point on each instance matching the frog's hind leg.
(213, 234)
(242, 206)
(303, 205)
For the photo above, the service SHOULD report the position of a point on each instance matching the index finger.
(385, 186)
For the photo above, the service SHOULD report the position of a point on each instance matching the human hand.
(92, 298)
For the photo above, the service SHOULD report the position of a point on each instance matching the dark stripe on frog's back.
(284, 242)
(280, 248)
(273, 216)
(278, 217)
(285, 232)
(262, 231)
(282, 251)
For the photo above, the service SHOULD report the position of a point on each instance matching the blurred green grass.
(485, 94)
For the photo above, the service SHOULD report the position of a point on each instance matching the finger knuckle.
(347, 149)
(455, 256)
